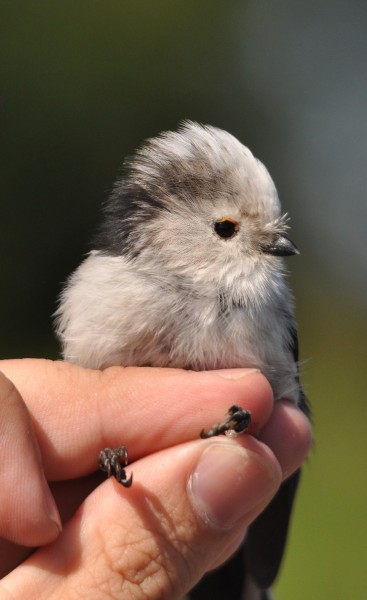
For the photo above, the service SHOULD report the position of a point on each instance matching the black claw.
(238, 421)
(112, 461)
(126, 482)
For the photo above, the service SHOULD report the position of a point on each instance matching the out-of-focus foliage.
(83, 83)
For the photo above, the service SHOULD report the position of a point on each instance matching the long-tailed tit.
(187, 271)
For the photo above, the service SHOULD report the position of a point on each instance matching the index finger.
(77, 412)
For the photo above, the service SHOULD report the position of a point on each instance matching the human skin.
(191, 499)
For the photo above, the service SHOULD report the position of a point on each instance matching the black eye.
(226, 228)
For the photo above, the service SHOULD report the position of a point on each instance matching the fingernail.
(228, 482)
(51, 507)
(234, 373)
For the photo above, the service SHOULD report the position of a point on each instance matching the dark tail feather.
(225, 583)
(251, 571)
(267, 536)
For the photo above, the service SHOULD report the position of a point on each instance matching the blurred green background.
(84, 82)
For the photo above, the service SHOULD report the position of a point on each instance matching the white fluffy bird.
(187, 271)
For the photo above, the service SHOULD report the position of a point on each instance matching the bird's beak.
(280, 245)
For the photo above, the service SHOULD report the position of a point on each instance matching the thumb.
(187, 510)
(28, 513)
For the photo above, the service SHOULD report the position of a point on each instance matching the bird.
(187, 271)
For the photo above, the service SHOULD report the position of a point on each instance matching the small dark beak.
(280, 246)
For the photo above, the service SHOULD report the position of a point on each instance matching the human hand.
(159, 537)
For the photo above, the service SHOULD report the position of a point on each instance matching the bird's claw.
(113, 462)
(237, 422)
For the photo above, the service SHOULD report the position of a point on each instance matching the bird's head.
(199, 204)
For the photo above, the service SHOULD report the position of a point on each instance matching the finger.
(28, 513)
(68, 495)
(156, 539)
(146, 409)
(288, 425)
(288, 433)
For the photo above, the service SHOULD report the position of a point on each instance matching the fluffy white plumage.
(178, 294)
(187, 271)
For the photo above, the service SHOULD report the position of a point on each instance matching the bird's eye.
(226, 228)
